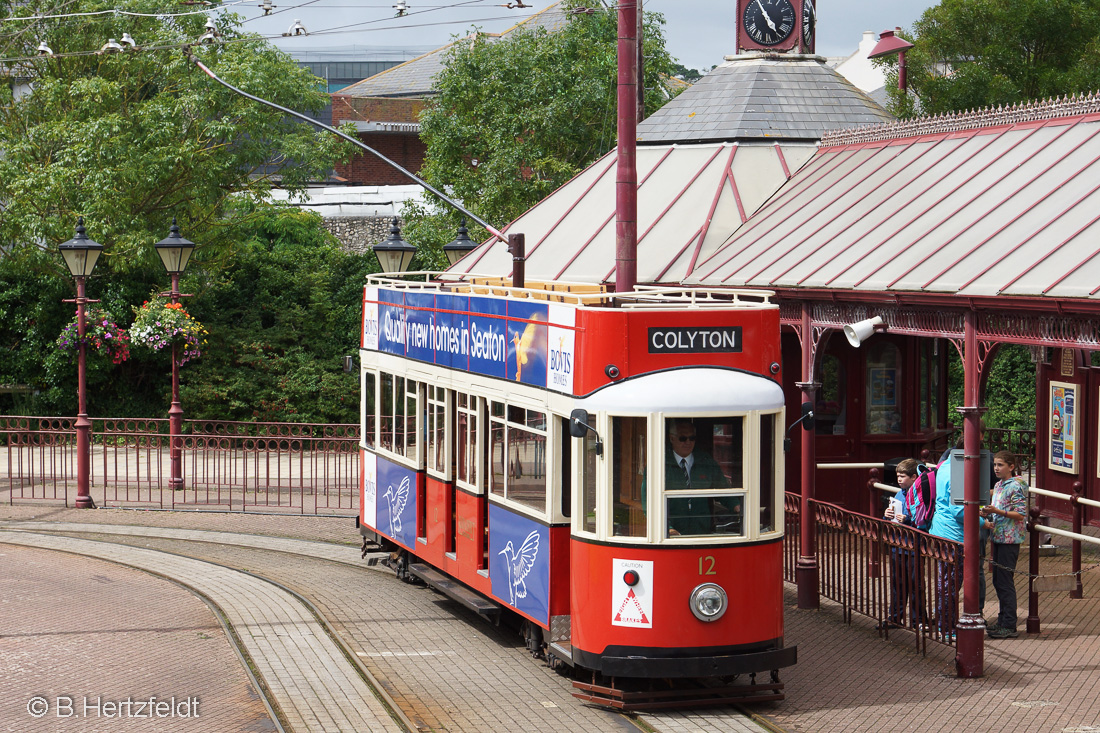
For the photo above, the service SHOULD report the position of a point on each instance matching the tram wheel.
(532, 637)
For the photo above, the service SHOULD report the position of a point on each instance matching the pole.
(83, 424)
(517, 245)
(175, 412)
(806, 570)
(626, 178)
(641, 62)
(970, 653)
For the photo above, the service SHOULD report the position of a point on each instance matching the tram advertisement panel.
(395, 502)
(519, 562)
(524, 341)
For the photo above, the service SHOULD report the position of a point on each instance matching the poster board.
(1062, 427)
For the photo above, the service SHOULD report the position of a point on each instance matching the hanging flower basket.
(101, 336)
(159, 324)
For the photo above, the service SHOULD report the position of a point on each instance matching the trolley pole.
(626, 174)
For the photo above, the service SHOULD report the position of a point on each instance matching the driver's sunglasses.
(686, 438)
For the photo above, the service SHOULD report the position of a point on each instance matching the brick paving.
(62, 635)
(451, 671)
(314, 686)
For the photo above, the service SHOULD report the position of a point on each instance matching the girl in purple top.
(1005, 518)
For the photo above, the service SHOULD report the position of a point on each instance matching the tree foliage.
(515, 118)
(279, 315)
(978, 53)
(1009, 390)
(129, 140)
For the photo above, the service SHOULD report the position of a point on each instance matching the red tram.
(521, 452)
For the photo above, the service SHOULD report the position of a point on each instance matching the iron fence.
(232, 466)
(899, 576)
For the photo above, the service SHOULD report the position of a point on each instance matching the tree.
(978, 53)
(131, 139)
(515, 118)
(689, 75)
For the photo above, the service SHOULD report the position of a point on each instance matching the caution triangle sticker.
(631, 598)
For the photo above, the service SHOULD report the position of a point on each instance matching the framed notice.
(1063, 427)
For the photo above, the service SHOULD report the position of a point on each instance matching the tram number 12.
(708, 563)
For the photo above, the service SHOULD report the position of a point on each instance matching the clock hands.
(767, 18)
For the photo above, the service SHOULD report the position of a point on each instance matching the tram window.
(565, 468)
(437, 430)
(498, 457)
(370, 418)
(518, 455)
(629, 440)
(386, 439)
(883, 389)
(768, 444)
(588, 483)
(696, 514)
(469, 466)
(527, 466)
(411, 436)
(702, 455)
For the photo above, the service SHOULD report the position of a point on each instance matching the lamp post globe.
(175, 251)
(80, 254)
(394, 253)
(460, 246)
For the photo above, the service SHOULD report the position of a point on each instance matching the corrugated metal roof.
(416, 77)
(690, 197)
(999, 203)
(755, 97)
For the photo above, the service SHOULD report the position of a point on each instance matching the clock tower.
(784, 26)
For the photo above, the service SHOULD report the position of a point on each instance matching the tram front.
(677, 529)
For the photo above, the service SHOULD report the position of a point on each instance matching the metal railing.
(897, 575)
(230, 466)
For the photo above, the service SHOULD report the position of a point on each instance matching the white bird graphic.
(519, 564)
(397, 498)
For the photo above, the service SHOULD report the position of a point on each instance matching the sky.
(699, 32)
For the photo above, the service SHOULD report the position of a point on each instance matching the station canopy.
(1002, 202)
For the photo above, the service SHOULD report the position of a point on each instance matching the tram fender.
(687, 667)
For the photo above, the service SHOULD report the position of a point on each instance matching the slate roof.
(416, 77)
(754, 97)
(995, 203)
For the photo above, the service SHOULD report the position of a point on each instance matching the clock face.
(809, 21)
(769, 22)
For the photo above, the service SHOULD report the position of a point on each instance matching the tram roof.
(689, 390)
(993, 203)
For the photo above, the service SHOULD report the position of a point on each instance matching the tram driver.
(689, 468)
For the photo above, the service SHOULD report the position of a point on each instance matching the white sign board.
(632, 605)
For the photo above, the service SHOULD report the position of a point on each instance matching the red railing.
(898, 576)
(237, 466)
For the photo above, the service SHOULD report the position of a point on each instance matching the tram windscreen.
(703, 462)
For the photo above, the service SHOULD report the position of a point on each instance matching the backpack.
(922, 497)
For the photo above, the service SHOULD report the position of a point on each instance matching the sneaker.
(1003, 633)
(886, 625)
(949, 637)
(990, 628)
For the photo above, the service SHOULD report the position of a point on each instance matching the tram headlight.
(708, 602)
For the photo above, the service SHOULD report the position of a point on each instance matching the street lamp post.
(174, 252)
(80, 255)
